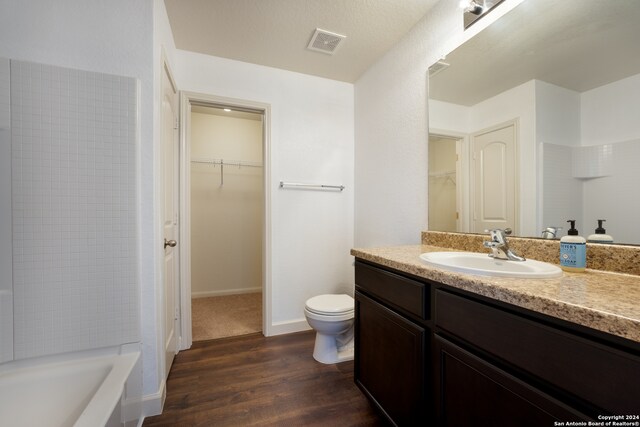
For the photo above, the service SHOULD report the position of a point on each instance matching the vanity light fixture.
(227, 109)
(475, 9)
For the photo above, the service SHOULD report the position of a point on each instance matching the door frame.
(186, 100)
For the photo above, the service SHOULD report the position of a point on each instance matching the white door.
(494, 179)
(170, 216)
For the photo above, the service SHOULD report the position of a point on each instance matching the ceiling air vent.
(325, 41)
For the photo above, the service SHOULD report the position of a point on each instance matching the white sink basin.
(482, 264)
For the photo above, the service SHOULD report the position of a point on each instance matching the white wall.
(557, 115)
(392, 128)
(610, 112)
(311, 141)
(226, 206)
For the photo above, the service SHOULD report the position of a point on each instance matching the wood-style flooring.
(256, 381)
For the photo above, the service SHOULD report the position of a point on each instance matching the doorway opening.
(225, 189)
(444, 209)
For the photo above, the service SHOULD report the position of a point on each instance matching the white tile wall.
(6, 277)
(5, 104)
(593, 161)
(75, 255)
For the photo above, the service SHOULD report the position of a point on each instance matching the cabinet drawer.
(409, 295)
(603, 376)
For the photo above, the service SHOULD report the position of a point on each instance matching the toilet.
(332, 318)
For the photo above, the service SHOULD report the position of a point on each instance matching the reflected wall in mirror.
(567, 74)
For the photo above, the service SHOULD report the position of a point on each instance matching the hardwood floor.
(256, 381)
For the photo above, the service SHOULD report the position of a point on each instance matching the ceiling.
(276, 33)
(575, 44)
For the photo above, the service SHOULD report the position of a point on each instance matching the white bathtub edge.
(101, 406)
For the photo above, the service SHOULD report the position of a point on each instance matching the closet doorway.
(447, 209)
(225, 151)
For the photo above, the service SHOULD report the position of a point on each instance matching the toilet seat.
(330, 305)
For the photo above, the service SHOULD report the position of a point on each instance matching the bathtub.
(73, 390)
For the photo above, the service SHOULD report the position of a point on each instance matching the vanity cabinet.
(449, 357)
(392, 339)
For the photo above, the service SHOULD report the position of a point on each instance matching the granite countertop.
(605, 301)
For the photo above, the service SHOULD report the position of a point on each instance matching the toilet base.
(326, 351)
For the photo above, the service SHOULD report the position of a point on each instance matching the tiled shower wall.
(74, 148)
(6, 285)
(591, 183)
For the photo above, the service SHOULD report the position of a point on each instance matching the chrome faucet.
(499, 245)
(550, 232)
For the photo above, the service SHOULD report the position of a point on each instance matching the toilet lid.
(330, 304)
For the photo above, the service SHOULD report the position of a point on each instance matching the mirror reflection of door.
(444, 211)
(494, 174)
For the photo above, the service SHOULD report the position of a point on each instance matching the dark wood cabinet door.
(473, 392)
(390, 362)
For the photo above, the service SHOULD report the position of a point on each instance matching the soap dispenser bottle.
(600, 235)
(573, 250)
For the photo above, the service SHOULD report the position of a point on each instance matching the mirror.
(563, 79)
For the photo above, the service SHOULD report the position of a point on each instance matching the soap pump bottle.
(573, 250)
(600, 235)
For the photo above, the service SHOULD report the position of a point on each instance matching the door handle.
(170, 243)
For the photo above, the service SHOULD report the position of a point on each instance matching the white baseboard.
(288, 327)
(152, 404)
(207, 294)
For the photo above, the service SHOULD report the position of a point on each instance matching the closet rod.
(312, 186)
(223, 162)
(449, 176)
